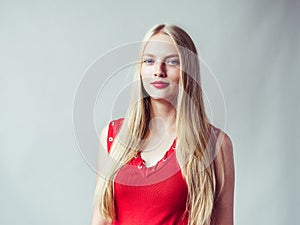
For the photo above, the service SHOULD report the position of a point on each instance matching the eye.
(148, 61)
(173, 62)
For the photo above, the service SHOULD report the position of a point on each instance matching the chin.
(169, 99)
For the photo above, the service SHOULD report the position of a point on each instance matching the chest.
(156, 193)
(170, 194)
(156, 149)
(151, 194)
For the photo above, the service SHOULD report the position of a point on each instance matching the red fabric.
(154, 195)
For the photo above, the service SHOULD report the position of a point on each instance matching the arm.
(98, 219)
(224, 161)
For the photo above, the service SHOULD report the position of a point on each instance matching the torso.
(150, 189)
(156, 194)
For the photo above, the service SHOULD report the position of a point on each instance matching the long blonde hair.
(193, 144)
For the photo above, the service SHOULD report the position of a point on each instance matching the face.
(160, 70)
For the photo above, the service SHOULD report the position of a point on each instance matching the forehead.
(160, 45)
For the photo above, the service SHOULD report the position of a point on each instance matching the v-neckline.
(141, 163)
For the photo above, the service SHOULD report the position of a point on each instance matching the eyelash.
(169, 62)
(173, 62)
(148, 61)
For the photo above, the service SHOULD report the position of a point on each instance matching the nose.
(160, 69)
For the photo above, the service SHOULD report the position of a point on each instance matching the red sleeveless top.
(149, 195)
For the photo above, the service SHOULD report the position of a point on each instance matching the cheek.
(146, 71)
(175, 75)
(145, 75)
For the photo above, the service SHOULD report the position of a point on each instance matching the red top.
(149, 195)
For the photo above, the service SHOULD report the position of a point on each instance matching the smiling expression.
(160, 70)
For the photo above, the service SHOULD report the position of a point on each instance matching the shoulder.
(109, 131)
(224, 159)
(221, 139)
(225, 178)
(103, 136)
(224, 162)
(224, 143)
(116, 124)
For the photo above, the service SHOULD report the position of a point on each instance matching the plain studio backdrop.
(46, 48)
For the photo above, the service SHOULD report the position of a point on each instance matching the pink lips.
(159, 84)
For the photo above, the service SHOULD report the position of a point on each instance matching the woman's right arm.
(98, 219)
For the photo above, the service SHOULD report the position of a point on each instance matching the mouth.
(159, 84)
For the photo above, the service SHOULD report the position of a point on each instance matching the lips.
(159, 84)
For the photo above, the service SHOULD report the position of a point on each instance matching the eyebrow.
(168, 56)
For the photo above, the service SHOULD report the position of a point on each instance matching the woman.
(172, 166)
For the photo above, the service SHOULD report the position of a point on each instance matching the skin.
(157, 65)
(160, 63)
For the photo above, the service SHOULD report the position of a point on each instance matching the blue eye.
(148, 61)
(173, 62)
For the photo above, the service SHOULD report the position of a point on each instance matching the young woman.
(172, 165)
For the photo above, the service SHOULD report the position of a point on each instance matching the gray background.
(46, 47)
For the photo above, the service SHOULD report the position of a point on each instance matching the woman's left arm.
(224, 161)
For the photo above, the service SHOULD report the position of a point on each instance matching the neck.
(163, 116)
